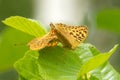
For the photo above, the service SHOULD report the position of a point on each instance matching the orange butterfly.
(69, 36)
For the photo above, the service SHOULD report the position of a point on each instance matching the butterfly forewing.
(78, 32)
(49, 39)
(72, 36)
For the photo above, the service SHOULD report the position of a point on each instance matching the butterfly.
(69, 36)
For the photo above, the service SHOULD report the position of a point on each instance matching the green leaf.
(12, 47)
(58, 63)
(96, 61)
(26, 25)
(13, 43)
(105, 72)
(109, 19)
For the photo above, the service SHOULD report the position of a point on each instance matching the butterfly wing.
(78, 32)
(48, 40)
(71, 36)
(37, 43)
(59, 31)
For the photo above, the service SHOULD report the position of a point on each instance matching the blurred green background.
(101, 16)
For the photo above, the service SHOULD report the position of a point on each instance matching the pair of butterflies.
(69, 36)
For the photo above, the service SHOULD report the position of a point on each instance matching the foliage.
(29, 26)
(58, 63)
(109, 19)
(13, 43)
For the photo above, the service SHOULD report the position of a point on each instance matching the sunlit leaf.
(96, 61)
(12, 47)
(58, 63)
(26, 25)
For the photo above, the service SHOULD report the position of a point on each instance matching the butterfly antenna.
(20, 44)
(51, 25)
